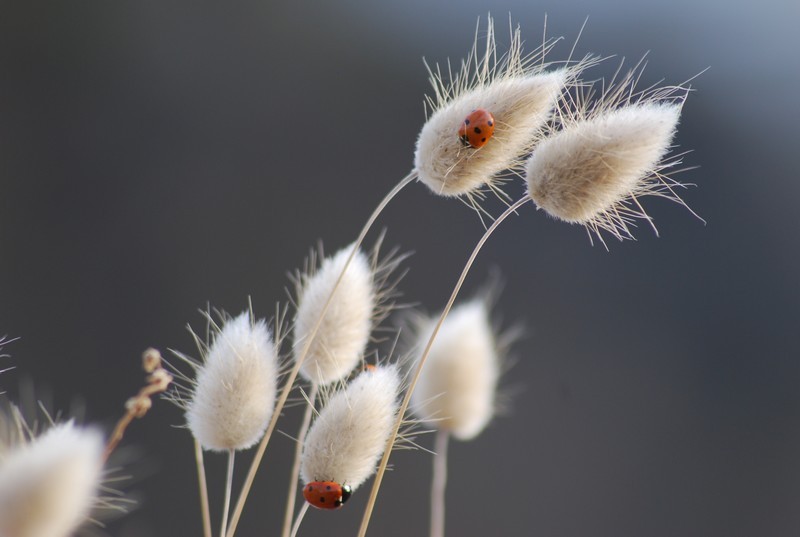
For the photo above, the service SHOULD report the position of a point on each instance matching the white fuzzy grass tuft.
(49, 485)
(344, 333)
(232, 398)
(350, 433)
(457, 390)
(605, 155)
(520, 94)
(363, 300)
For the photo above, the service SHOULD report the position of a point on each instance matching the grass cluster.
(587, 151)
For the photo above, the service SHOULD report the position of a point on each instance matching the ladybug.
(326, 494)
(477, 129)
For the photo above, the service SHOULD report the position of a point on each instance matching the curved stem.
(300, 517)
(203, 486)
(439, 483)
(228, 486)
(262, 447)
(298, 452)
(404, 405)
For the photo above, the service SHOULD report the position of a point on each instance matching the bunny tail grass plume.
(345, 330)
(457, 390)
(350, 433)
(607, 155)
(233, 396)
(49, 484)
(515, 89)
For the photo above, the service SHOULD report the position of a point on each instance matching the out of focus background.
(160, 155)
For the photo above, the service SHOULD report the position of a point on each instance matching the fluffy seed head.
(518, 93)
(345, 329)
(603, 156)
(457, 388)
(349, 435)
(233, 396)
(48, 485)
(586, 169)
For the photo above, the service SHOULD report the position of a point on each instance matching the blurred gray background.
(156, 155)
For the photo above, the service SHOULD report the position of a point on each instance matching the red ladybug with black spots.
(326, 494)
(477, 128)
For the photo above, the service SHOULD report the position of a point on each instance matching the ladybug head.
(346, 493)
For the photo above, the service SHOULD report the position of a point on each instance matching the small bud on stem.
(138, 405)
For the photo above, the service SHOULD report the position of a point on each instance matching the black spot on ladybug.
(483, 139)
(477, 130)
(310, 488)
(328, 487)
(490, 122)
(466, 122)
(321, 499)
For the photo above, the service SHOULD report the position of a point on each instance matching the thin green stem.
(292, 376)
(298, 453)
(439, 483)
(404, 405)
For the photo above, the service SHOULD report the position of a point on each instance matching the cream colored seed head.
(515, 88)
(49, 485)
(584, 171)
(520, 106)
(344, 332)
(457, 388)
(233, 396)
(350, 433)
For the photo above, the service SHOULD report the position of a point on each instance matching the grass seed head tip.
(233, 396)
(457, 389)
(49, 485)
(345, 329)
(594, 169)
(520, 96)
(348, 437)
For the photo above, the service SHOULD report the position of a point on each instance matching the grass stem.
(300, 517)
(292, 376)
(439, 483)
(228, 486)
(203, 486)
(298, 453)
(404, 405)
